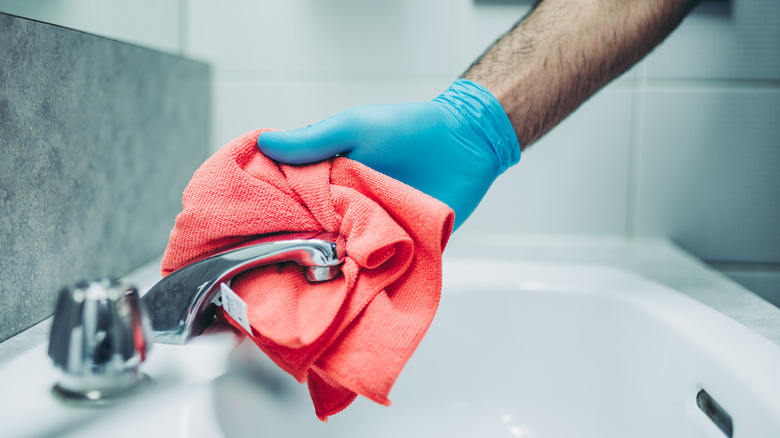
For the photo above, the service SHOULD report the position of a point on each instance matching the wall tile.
(242, 36)
(99, 139)
(338, 37)
(575, 180)
(356, 37)
(734, 40)
(149, 23)
(76, 14)
(708, 174)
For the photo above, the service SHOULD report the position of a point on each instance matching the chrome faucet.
(99, 337)
(184, 303)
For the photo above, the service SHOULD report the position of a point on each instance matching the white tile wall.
(150, 23)
(363, 38)
(709, 172)
(339, 38)
(237, 36)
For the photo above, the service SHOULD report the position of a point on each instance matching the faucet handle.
(99, 337)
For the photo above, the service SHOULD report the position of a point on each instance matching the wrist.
(485, 115)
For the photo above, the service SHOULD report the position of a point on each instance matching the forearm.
(565, 51)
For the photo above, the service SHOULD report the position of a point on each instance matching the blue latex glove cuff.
(467, 97)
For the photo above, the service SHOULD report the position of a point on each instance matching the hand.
(451, 148)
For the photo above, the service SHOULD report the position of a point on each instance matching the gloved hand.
(451, 148)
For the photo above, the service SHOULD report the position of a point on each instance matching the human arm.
(564, 51)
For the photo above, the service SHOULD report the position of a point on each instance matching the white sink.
(517, 349)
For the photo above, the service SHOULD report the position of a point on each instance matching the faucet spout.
(184, 303)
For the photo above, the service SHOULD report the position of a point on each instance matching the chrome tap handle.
(99, 337)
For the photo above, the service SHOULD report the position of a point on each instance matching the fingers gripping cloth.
(347, 336)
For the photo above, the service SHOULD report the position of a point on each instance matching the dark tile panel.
(97, 141)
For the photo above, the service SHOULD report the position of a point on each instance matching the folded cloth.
(347, 336)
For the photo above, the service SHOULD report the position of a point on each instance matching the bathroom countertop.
(656, 259)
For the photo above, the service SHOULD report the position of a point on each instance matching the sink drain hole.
(715, 413)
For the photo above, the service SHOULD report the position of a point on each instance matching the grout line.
(346, 77)
(634, 149)
(183, 28)
(688, 84)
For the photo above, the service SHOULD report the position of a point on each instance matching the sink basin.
(517, 349)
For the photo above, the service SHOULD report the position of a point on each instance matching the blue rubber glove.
(451, 148)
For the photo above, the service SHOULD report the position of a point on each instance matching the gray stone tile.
(98, 140)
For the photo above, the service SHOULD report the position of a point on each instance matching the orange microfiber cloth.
(347, 336)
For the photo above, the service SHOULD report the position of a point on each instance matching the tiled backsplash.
(98, 140)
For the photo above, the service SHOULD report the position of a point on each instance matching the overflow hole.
(715, 413)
